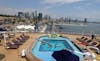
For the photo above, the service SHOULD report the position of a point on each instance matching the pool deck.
(15, 54)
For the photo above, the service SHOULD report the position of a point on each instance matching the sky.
(55, 8)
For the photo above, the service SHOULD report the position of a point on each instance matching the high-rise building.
(20, 14)
(85, 20)
(27, 15)
(47, 17)
(40, 16)
(35, 13)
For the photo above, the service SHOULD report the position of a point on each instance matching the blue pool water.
(54, 45)
(45, 47)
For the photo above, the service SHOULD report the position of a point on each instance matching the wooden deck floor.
(14, 54)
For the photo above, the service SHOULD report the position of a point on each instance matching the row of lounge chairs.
(17, 42)
(89, 42)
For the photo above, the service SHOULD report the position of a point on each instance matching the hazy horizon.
(55, 8)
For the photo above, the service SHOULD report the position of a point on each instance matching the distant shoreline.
(78, 24)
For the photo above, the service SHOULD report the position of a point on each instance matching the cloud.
(4, 10)
(56, 3)
(60, 1)
(52, 6)
(13, 11)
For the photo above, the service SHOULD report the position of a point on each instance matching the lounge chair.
(98, 46)
(88, 41)
(95, 46)
(24, 36)
(17, 42)
(94, 43)
(97, 50)
(21, 39)
(11, 46)
(82, 39)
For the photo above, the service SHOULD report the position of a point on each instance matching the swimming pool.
(45, 46)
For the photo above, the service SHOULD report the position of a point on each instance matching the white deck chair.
(95, 48)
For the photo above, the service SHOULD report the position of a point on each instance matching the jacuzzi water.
(45, 46)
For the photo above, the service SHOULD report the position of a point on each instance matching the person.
(23, 53)
(57, 45)
(92, 36)
(49, 45)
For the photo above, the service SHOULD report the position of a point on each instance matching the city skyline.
(55, 8)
